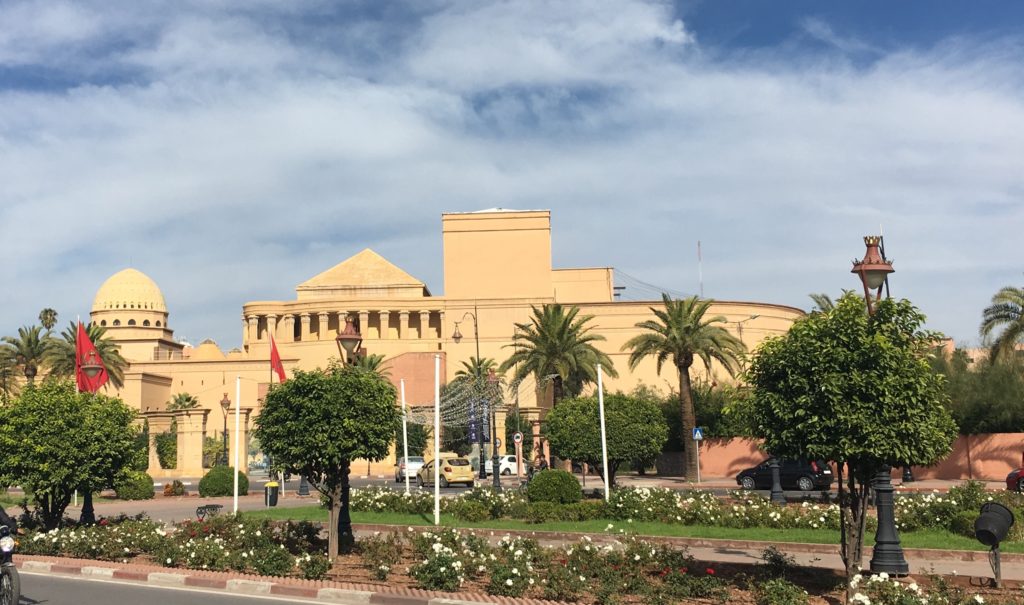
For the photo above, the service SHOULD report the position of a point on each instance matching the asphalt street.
(57, 590)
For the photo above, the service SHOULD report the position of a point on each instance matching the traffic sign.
(698, 433)
(517, 437)
(497, 442)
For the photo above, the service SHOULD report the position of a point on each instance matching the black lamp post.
(91, 366)
(225, 404)
(777, 495)
(348, 341)
(492, 382)
(887, 555)
(457, 338)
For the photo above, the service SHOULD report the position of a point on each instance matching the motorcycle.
(10, 584)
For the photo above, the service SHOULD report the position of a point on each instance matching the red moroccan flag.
(275, 361)
(90, 372)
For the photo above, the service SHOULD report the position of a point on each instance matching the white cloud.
(231, 155)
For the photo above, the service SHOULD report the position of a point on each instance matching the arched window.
(117, 322)
(145, 323)
(158, 323)
(103, 323)
(131, 322)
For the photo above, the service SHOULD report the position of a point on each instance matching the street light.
(348, 341)
(739, 325)
(225, 404)
(457, 338)
(92, 366)
(887, 555)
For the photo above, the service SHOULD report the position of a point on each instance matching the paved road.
(57, 590)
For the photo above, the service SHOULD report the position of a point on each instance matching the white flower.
(508, 582)
(978, 599)
(582, 579)
(861, 598)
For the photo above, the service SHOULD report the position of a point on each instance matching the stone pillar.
(342, 315)
(403, 324)
(424, 324)
(191, 431)
(536, 437)
(305, 335)
(324, 317)
(288, 328)
(271, 326)
(245, 331)
(254, 326)
(243, 432)
(364, 324)
(385, 324)
(440, 325)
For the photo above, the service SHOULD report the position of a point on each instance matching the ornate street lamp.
(225, 404)
(348, 341)
(479, 415)
(92, 366)
(492, 392)
(887, 555)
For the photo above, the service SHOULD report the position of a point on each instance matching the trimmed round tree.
(316, 423)
(856, 390)
(635, 429)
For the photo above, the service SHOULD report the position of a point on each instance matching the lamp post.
(225, 404)
(777, 496)
(348, 342)
(887, 555)
(739, 325)
(492, 382)
(457, 337)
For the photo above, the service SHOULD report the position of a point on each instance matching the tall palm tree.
(8, 384)
(61, 353)
(1007, 312)
(682, 334)
(28, 350)
(182, 401)
(371, 363)
(48, 317)
(557, 344)
(823, 303)
(476, 368)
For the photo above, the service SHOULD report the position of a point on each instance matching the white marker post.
(238, 440)
(698, 436)
(405, 436)
(437, 439)
(604, 438)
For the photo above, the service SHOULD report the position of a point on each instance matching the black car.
(793, 474)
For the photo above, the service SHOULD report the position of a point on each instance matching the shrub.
(314, 566)
(583, 511)
(381, 499)
(543, 512)
(469, 510)
(684, 585)
(220, 482)
(134, 485)
(273, 561)
(175, 488)
(167, 449)
(381, 554)
(553, 485)
(563, 583)
(777, 563)
(441, 570)
(779, 591)
(963, 523)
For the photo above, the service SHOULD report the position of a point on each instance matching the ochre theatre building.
(497, 263)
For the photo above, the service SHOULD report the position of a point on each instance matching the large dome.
(129, 289)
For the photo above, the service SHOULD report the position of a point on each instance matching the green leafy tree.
(635, 430)
(417, 439)
(557, 345)
(60, 353)
(518, 423)
(318, 422)
(371, 363)
(720, 410)
(167, 447)
(856, 390)
(682, 334)
(182, 401)
(1006, 312)
(54, 440)
(48, 318)
(28, 350)
(986, 397)
(8, 373)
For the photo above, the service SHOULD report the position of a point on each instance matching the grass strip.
(934, 539)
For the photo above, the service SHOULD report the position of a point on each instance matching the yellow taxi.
(453, 469)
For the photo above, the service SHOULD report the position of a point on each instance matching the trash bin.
(270, 491)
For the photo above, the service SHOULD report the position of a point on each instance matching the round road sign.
(517, 437)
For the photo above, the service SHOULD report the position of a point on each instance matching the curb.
(244, 584)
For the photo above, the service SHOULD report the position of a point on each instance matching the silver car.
(409, 469)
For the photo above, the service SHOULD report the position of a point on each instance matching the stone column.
(191, 431)
(324, 317)
(304, 318)
(403, 324)
(254, 326)
(288, 327)
(364, 324)
(243, 432)
(440, 325)
(424, 324)
(385, 324)
(245, 331)
(271, 326)
(342, 314)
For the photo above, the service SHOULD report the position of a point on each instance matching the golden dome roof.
(207, 351)
(129, 289)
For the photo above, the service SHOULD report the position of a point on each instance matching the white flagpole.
(437, 439)
(405, 436)
(604, 439)
(238, 414)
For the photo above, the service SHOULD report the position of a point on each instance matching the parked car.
(409, 469)
(453, 470)
(793, 474)
(506, 465)
(1015, 480)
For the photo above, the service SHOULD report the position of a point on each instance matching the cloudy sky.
(231, 153)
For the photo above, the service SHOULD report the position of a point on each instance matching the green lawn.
(941, 540)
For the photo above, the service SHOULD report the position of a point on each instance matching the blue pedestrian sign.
(698, 434)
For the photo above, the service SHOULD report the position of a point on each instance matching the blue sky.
(233, 153)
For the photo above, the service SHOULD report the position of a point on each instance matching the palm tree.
(371, 363)
(8, 384)
(182, 401)
(48, 317)
(823, 303)
(28, 350)
(476, 368)
(682, 334)
(557, 345)
(1007, 312)
(61, 353)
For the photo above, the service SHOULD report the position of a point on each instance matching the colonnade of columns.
(379, 324)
